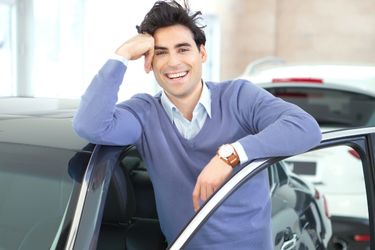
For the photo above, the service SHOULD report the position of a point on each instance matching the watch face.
(225, 151)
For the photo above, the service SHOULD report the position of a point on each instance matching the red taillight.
(354, 153)
(298, 79)
(291, 95)
(362, 237)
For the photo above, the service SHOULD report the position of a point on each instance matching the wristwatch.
(228, 154)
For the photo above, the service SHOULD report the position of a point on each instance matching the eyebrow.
(176, 46)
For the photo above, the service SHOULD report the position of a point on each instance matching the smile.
(176, 75)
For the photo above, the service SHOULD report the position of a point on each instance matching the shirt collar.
(204, 100)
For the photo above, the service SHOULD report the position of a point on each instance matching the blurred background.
(53, 48)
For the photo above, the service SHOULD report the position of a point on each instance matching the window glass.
(57, 68)
(337, 173)
(5, 51)
(331, 108)
(72, 39)
(36, 184)
(331, 170)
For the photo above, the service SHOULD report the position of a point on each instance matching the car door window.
(337, 172)
(36, 185)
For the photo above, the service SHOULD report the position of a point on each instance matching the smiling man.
(194, 134)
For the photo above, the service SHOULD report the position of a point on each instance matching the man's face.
(177, 62)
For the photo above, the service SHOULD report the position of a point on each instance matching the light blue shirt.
(189, 129)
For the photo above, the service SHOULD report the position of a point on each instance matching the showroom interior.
(317, 54)
(71, 39)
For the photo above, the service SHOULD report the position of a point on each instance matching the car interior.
(130, 219)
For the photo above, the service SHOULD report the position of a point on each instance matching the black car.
(61, 192)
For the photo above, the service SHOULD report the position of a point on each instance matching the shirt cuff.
(119, 58)
(241, 152)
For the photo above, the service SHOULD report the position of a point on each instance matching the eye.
(160, 52)
(182, 50)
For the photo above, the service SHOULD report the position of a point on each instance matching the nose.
(173, 60)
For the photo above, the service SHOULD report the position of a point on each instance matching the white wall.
(61, 44)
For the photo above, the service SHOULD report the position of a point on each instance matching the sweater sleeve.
(98, 119)
(276, 127)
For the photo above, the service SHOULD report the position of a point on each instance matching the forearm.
(290, 134)
(276, 127)
(98, 119)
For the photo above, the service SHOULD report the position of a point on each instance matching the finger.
(148, 60)
(196, 194)
(209, 191)
(203, 194)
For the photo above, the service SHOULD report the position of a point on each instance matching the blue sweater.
(264, 125)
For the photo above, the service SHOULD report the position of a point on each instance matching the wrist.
(119, 58)
(241, 152)
(123, 52)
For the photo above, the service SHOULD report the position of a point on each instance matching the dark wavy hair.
(168, 13)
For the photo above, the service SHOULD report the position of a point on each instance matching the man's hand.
(137, 46)
(210, 179)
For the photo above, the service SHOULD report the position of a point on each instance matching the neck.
(186, 104)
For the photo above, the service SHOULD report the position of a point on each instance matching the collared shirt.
(202, 111)
(189, 129)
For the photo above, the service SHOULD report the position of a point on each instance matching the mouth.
(176, 75)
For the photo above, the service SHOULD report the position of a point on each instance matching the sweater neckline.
(205, 124)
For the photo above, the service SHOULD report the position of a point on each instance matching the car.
(59, 191)
(338, 96)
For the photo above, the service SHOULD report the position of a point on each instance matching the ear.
(203, 53)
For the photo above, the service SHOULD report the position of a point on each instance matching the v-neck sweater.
(240, 111)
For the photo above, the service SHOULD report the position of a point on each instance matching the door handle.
(290, 244)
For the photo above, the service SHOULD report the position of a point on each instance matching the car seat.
(130, 219)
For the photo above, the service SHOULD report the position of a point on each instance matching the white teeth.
(176, 75)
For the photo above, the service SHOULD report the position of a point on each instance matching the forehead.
(172, 35)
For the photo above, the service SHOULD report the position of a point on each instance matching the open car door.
(361, 233)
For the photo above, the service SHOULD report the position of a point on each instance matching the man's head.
(179, 50)
(169, 13)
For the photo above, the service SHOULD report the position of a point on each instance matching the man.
(179, 130)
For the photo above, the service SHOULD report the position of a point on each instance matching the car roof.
(345, 76)
(39, 121)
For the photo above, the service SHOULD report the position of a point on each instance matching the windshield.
(36, 186)
(331, 108)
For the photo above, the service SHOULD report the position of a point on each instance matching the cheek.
(157, 62)
(197, 65)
